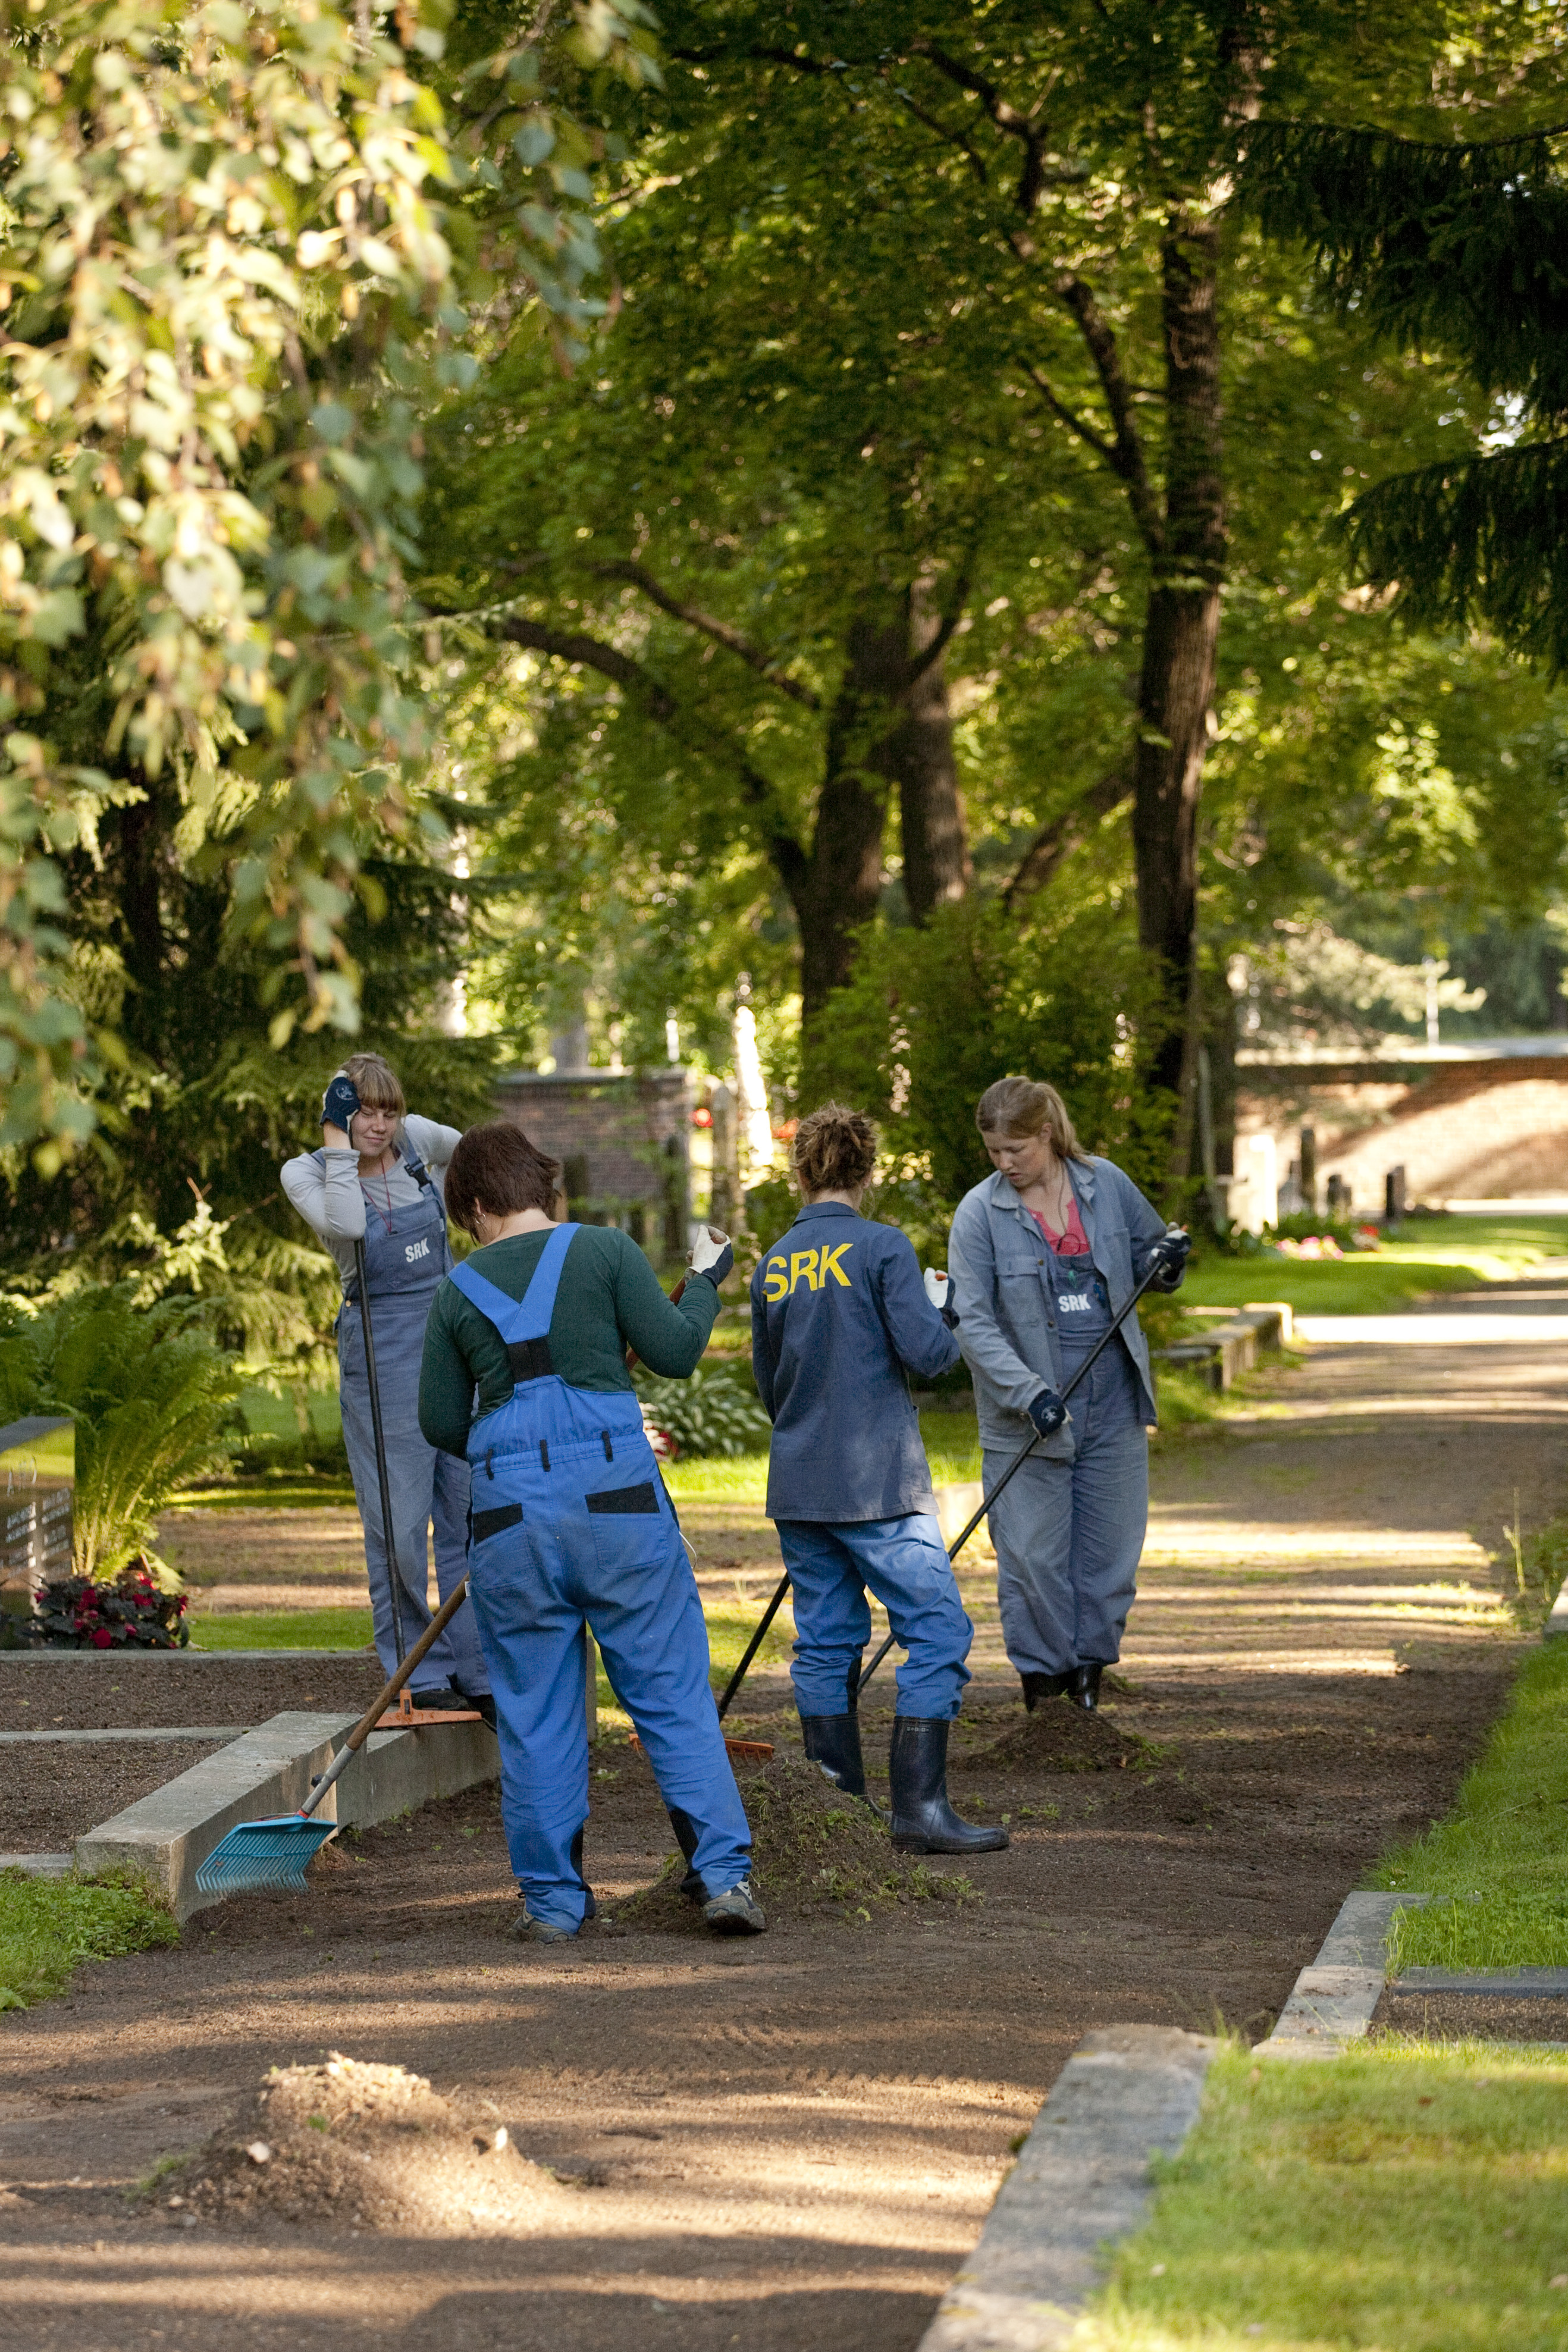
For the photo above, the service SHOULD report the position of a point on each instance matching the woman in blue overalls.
(525, 1372)
(378, 1179)
(1043, 1255)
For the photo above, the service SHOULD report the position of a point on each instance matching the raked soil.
(790, 2144)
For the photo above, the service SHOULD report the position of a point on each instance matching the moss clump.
(48, 1926)
(815, 1853)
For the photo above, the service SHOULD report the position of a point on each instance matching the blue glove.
(712, 1255)
(1047, 1412)
(340, 1104)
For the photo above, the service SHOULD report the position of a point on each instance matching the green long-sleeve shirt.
(609, 1300)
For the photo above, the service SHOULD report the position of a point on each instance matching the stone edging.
(1128, 2093)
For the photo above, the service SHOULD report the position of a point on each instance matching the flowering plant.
(128, 1611)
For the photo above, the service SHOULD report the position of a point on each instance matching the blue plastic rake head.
(259, 1856)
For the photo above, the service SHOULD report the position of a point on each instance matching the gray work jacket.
(1007, 1315)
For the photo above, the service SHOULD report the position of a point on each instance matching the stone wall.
(622, 1141)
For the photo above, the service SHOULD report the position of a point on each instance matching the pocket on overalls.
(628, 1526)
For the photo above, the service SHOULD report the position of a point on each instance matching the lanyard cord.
(384, 1215)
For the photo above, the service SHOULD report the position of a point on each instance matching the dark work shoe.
(482, 1703)
(1085, 1690)
(923, 1821)
(1039, 1687)
(736, 1911)
(526, 1930)
(441, 1698)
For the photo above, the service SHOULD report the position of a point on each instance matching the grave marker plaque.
(37, 1483)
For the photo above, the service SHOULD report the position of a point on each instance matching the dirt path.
(790, 2144)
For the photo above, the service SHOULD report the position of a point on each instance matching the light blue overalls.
(572, 1525)
(405, 1258)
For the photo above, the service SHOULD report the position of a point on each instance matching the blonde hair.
(1028, 1107)
(373, 1082)
(835, 1150)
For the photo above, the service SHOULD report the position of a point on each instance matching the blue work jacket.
(1007, 1311)
(839, 1319)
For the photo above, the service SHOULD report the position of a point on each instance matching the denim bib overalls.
(571, 1525)
(406, 1258)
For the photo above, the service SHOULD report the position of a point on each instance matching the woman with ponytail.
(1044, 1254)
(840, 1318)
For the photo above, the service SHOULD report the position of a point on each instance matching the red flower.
(104, 1639)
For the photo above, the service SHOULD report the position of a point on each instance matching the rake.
(271, 1856)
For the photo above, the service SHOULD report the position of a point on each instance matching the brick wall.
(622, 1142)
(1461, 1129)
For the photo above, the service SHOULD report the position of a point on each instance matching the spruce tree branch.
(710, 626)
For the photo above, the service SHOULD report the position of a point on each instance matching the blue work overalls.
(405, 1258)
(571, 1525)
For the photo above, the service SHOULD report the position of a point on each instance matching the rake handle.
(374, 1713)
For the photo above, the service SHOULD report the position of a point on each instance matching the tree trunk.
(843, 880)
(1180, 641)
(937, 867)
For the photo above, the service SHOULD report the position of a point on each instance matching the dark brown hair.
(835, 1150)
(1028, 1107)
(496, 1168)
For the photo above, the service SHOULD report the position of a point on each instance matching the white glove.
(936, 1287)
(712, 1253)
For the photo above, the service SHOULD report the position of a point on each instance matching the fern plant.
(153, 1394)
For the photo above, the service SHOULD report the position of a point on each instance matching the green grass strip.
(49, 1926)
(1408, 2197)
(283, 1629)
(1505, 1842)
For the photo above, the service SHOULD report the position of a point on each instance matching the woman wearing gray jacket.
(1043, 1254)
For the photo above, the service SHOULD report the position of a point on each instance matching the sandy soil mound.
(814, 1852)
(345, 2146)
(1058, 1738)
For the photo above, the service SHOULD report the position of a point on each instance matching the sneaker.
(736, 1911)
(526, 1930)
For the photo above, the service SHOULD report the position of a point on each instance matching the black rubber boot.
(1085, 1690)
(1039, 1687)
(833, 1742)
(923, 1821)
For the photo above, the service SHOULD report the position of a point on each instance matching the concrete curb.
(39, 1865)
(1128, 2093)
(113, 1660)
(1229, 1349)
(208, 1731)
(1556, 1625)
(1333, 2000)
(166, 1836)
(1509, 1984)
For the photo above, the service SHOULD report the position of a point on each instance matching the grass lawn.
(48, 1925)
(1408, 2197)
(283, 1629)
(1431, 1254)
(1506, 1841)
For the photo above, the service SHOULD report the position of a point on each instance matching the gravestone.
(37, 1485)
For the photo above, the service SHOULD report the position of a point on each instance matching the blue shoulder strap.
(523, 1323)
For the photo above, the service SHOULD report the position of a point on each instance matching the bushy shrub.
(933, 1017)
(717, 1410)
(130, 1612)
(153, 1394)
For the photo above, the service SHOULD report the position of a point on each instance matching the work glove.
(713, 1254)
(1171, 1253)
(1047, 1412)
(939, 1290)
(340, 1104)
